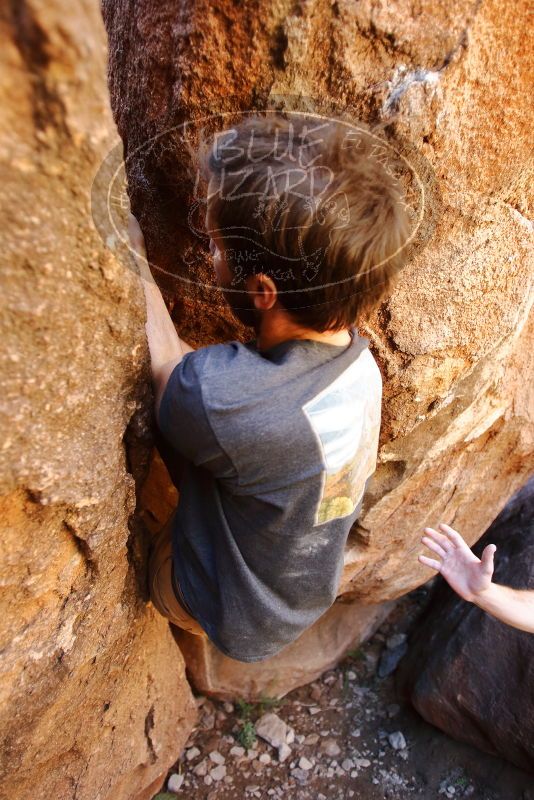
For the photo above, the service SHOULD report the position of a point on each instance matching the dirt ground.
(351, 710)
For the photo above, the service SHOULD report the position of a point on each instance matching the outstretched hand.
(468, 575)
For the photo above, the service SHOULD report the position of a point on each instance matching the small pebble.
(330, 748)
(237, 751)
(300, 774)
(284, 751)
(394, 641)
(304, 763)
(265, 758)
(192, 753)
(201, 768)
(397, 740)
(218, 772)
(216, 757)
(174, 783)
(316, 693)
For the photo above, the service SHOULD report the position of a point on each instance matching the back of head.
(314, 204)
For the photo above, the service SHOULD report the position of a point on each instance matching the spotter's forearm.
(513, 606)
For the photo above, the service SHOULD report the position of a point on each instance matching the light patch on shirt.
(345, 418)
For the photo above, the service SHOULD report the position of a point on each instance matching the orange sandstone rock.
(94, 700)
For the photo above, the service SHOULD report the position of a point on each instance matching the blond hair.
(313, 203)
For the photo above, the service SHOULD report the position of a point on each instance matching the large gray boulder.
(469, 674)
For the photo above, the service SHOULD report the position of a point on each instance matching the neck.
(274, 329)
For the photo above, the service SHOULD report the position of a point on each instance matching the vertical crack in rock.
(32, 43)
(384, 317)
(149, 725)
(77, 780)
(279, 47)
(84, 550)
(137, 443)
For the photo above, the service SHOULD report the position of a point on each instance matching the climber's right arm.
(166, 347)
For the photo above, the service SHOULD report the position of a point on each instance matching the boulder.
(466, 672)
(94, 703)
(454, 340)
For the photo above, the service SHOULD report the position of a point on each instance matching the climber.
(277, 436)
(470, 577)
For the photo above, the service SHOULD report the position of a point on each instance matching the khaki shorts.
(160, 584)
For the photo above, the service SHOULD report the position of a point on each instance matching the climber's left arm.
(166, 347)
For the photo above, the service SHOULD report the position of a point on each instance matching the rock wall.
(93, 698)
(454, 341)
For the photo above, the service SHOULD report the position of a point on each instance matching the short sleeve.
(183, 420)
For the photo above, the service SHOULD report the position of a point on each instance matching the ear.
(262, 290)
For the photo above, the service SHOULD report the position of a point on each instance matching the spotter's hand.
(463, 571)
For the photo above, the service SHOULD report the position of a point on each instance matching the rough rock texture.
(454, 342)
(466, 672)
(94, 702)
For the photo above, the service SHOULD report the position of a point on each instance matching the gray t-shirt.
(280, 444)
